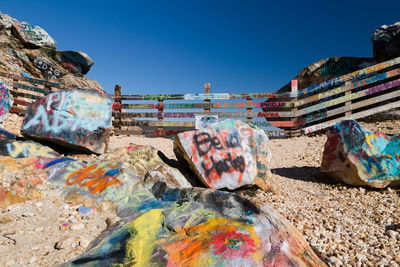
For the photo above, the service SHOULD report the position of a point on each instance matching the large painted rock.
(358, 156)
(115, 177)
(229, 154)
(77, 119)
(6, 101)
(32, 37)
(75, 62)
(198, 227)
(386, 42)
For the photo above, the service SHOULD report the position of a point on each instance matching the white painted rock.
(229, 154)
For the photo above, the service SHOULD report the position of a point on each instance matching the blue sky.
(160, 47)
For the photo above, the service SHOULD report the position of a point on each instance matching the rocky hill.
(29, 51)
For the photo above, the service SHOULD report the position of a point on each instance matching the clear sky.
(167, 47)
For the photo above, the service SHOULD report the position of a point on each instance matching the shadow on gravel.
(307, 174)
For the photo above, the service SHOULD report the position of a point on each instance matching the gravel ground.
(345, 225)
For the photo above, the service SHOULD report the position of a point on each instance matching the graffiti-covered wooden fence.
(163, 115)
(355, 95)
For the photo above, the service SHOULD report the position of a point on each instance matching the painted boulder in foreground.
(77, 119)
(229, 154)
(198, 227)
(115, 178)
(358, 156)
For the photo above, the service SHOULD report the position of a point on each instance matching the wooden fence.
(355, 95)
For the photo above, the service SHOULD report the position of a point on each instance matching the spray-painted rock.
(6, 101)
(75, 62)
(145, 160)
(358, 156)
(198, 227)
(115, 177)
(26, 149)
(32, 37)
(77, 119)
(229, 154)
(20, 180)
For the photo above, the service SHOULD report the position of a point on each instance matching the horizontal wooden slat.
(25, 95)
(21, 102)
(358, 115)
(242, 105)
(155, 123)
(161, 133)
(284, 114)
(18, 110)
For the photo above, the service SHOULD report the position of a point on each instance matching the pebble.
(77, 226)
(84, 242)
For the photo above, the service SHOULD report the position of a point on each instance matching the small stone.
(64, 243)
(64, 227)
(335, 261)
(84, 243)
(77, 226)
(6, 219)
(27, 214)
(33, 259)
(391, 233)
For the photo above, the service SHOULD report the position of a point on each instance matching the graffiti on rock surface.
(6, 101)
(71, 110)
(205, 121)
(375, 154)
(336, 68)
(27, 32)
(26, 149)
(226, 153)
(49, 69)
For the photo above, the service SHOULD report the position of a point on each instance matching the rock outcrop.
(229, 154)
(29, 51)
(32, 37)
(198, 227)
(77, 119)
(358, 156)
(386, 42)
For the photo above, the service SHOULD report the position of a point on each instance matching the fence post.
(294, 95)
(117, 103)
(160, 116)
(16, 93)
(348, 103)
(207, 90)
(249, 101)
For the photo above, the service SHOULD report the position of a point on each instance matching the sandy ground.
(349, 226)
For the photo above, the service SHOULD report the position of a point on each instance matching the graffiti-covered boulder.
(80, 120)
(6, 101)
(145, 160)
(198, 227)
(75, 62)
(229, 154)
(115, 177)
(358, 156)
(32, 37)
(386, 42)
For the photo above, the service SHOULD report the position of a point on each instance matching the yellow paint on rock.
(140, 246)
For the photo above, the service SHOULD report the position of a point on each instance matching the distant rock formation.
(30, 51)
(386, 42)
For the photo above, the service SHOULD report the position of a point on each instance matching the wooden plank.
(358, 115)
(275, 114)
(348, 87)
(24, 95)
(241, 105)
(30, 80)
(192, 123)
(353, 96)
(202, 96)
(157, 123)
(21, 102)
(18, 110)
